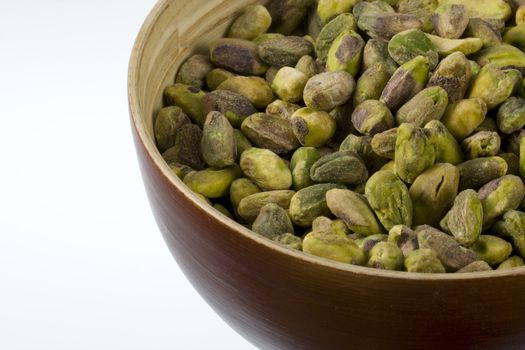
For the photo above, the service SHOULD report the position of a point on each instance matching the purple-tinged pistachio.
(477, 172)
(372, 117)
(237, 55)
(371, 83)
(167, 124)
(341, 167)
(270, 132)
(465, 219)
(328, 90)
(346, 53)
(234, 106)
(186, 150)
(450, 21)
(282, 109)
(354, 210)
(218, 143)
(250, 206)
(384, 144)
(478, 28)
(409, 44)
(376, 52)
(343, 23)
(285, 51)
(453, 74)
(449, 252)
(513, 164)
(194, 71)
(511, 115)
(361, 145)
(429, 104)
(367, 243)
(216, 77)
(272, 221)
(311, 127)
(407, 81)
(422, 9)
(404, 238)
(288, 14)
(309, 203)
(386, 25)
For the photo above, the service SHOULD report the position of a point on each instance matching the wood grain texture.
(282, 299)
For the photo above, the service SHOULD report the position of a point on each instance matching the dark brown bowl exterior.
(282, 299)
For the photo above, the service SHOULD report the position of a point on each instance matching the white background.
(82, 263)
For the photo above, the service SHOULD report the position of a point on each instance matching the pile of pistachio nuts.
(386, 134)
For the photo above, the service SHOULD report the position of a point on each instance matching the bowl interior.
(173, 31)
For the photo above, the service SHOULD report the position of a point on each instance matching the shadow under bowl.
(282, 299)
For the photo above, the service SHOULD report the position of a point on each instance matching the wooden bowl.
(282, 299)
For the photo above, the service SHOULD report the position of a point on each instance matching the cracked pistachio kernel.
(301, 163)
(272, 221)
(449, 252)
(372, 117)
(510, 263)
(491, 249)
(411, 43)
(447, 148)
(285, 51)
(270, 132)
(386, 256)
(343, 167)
(477, 172)
(250, 206)
(238, 56)
(512, 226)
(194, 71)
(367, 243)
(212, 183)
(450, 21)
(254, 21)
(404, 238)
(453, 74)
(433, 193)
(334, 247)
(188, 98)
(186, 150)
(218, 143)
(328, 90)
(266, 169)
(423, 261)
(406, 82)
(463, 117)
(494, 85)
(311, 127)
(502, 56)
(234, 106)
(511, 115)
(414, 152)
(481, 144)
(445, 47)
(500, 196)
(289, 240)
(289, 84)
(309, 203)
(242, 188)
(465, 219)
(167, 124)
(330, 31)
(346, 53)
(429, 104)
(255, 89)
(354, 210)
(389, 198)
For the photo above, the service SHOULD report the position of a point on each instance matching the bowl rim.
(151, 150)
